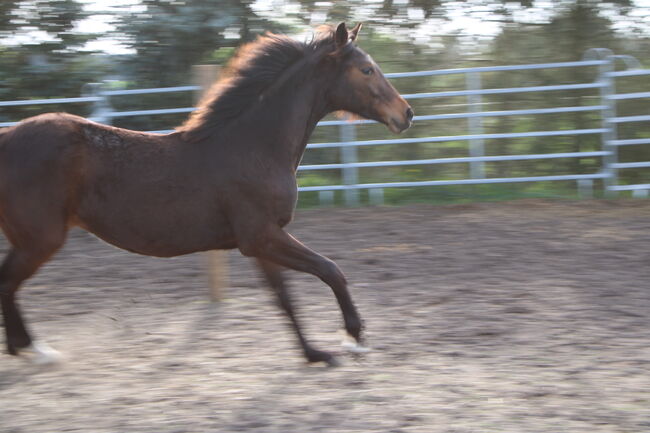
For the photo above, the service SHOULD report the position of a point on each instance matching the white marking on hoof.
(351, 344)
(41, 354)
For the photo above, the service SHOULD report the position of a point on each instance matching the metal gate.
(605, 61)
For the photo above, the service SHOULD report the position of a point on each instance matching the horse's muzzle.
(400, 125)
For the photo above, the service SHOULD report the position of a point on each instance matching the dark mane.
(256, 69)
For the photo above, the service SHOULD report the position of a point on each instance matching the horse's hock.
(217, 261)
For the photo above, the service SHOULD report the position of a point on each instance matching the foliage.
(56, 18)
(168, 36)
(40, 56)
(27, 75)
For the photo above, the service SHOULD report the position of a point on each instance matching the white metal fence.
(604, 60)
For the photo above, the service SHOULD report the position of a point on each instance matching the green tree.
(19, 19)
(169, 37)
(40, 54)
(573, 30)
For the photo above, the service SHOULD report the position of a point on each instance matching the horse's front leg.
(276, 246)
(273, 274)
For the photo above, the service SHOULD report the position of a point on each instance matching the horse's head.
(361, 88)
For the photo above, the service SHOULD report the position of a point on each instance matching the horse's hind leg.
(273, 274)
(20, 264)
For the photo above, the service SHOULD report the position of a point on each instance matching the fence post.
(475, 125)
(347, 133)
(376, 196)
(218, 276)
(326, 198)
(585, 188)
(608, 113)
(101, 108)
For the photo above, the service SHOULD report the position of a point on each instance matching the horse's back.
(147, 193)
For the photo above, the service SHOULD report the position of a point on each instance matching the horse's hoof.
(333, 362)
(317, 357)
(351, 344)
(41, 354)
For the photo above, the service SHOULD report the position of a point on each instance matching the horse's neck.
(302, 108)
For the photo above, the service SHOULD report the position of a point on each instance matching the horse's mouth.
(397, 126)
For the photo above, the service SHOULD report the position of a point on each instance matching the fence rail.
(438, 139)
(102, 111)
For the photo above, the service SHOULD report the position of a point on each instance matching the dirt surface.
(528, 316)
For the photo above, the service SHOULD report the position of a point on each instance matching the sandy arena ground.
(529, 316)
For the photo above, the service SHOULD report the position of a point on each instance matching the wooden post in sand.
(217, 261)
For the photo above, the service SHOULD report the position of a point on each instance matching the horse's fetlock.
(12, 350)
(354, 329)
(314, 356)
(16, 343)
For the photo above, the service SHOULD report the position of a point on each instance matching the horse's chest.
(273, 195)
(280, 201)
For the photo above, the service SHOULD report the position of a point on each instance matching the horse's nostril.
(409, 114)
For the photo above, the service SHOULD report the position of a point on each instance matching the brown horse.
(225, 179)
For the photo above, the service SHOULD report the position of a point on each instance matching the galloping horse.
(225, 179)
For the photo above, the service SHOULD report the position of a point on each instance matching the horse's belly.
(177, 241)
(157, 230)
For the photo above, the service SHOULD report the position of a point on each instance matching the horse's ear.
(354, 33)
(341, 35)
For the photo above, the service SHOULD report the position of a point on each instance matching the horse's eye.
(367, 71)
